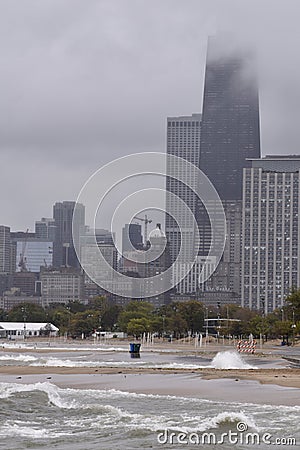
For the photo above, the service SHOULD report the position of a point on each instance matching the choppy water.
(223, 360)
(44, 416)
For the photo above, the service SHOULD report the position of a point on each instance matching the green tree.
(110, 317)
(83, 322)
(193, 314)
(259, 326)
(177, 325)
(136, 327)
(293, 305)
(60, 317)
(76, 306)
(31, 312)
(134, 310)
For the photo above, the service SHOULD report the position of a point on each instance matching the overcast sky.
(85, 81)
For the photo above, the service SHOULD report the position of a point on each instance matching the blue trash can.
(134, 348)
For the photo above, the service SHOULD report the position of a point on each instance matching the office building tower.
(131, 237)
(270, 231)
(91, 243)
(5, 250)
(63, 250)
(183, 140)
(45, 229)
(230, 130)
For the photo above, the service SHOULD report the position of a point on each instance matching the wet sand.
(282, 377)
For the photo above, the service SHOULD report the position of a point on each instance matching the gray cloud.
(84, 82)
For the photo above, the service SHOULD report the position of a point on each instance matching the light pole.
(263, 320)
(24, 320)
(163, 318)
(206, 326)
(293, 327)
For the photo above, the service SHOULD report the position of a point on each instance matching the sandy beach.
(282, 377)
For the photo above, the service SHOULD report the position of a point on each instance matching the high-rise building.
(131, 237)
(230, 130)
(45, 229)
(67, 230)
(270, 231)
(230, 134)
(5, 250)
(91, 242)
(183, 140)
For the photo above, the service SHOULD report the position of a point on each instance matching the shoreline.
(285, 377)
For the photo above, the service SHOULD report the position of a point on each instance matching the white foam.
(13, 429)
(23, 358)
(52, 391)
(57, 362)
(67, 347)
(229, 360)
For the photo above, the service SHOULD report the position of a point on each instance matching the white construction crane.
(22, 260)
(146, 221)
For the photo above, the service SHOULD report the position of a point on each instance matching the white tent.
(17, 330)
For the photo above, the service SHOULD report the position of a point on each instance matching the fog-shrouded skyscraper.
(63, 248)
(230, 131)
(230, 134)
(219, 143)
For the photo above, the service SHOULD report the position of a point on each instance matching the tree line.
(178, 319)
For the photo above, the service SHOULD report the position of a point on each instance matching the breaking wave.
(229, 360)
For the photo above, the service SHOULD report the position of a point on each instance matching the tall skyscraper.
(63, 248)
(220, 143)
(183, 140)
(230, 134)
(230, 130)
(270, 230)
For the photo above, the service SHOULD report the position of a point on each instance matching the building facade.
(6, 265)
(270, 230)
(37, 253)
(62, 285)
(45, 229)
(69, 225)
(131, 237)
(183, 141)
(230, 131)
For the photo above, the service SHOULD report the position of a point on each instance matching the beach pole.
(260, 341)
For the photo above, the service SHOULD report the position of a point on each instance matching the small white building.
(17, 330)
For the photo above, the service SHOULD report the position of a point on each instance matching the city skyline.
(59, 125)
